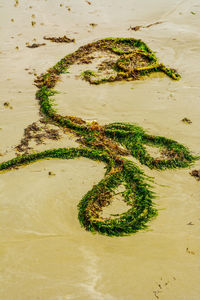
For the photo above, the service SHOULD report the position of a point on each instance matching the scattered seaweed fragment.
(112, 142)
(138, 27)
(196, 174)
(35, 45)
(7, 105)
(16, 3)
(63, 39)
(38, 133)
(93, 25)
(186, 121)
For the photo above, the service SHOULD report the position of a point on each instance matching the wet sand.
(44, 253)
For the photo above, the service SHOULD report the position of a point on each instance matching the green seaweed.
(110, 143)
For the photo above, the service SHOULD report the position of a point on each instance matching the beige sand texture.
(44, 252)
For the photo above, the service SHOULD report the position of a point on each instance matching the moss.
(111, 142)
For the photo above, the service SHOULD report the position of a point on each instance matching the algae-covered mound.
(126, 59)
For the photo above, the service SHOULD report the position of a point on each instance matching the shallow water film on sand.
(109, 103)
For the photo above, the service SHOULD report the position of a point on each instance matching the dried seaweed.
(63, 39)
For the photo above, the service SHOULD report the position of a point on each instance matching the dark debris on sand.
(38, 133)
(136, 28)
(34, 45)
(63, 39)
(196, 174)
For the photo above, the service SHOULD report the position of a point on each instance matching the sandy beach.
(44, 253)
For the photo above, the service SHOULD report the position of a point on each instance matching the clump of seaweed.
(110, 143)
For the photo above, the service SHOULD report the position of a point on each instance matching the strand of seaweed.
(110, 143)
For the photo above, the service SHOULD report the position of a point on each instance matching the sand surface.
(44, 252)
